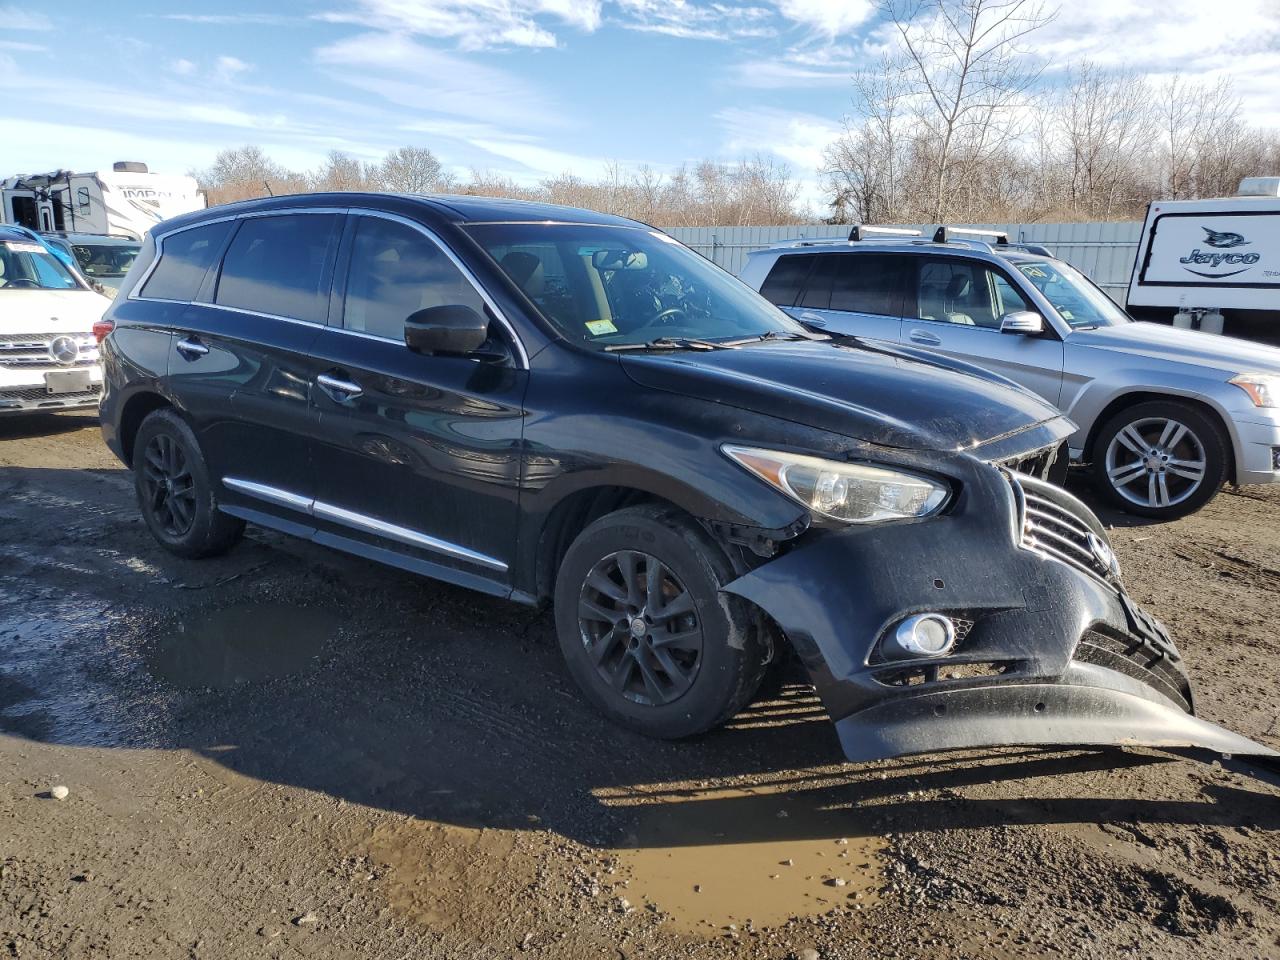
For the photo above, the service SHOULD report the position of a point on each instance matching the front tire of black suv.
(174, 490)
(644, 629)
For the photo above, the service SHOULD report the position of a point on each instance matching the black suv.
(548, 404)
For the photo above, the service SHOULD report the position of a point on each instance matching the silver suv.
(1164, 415)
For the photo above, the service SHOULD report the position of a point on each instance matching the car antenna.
(270, 192)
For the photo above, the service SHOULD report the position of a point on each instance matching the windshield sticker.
(19, 246)
(599, 328)
(1036, 272)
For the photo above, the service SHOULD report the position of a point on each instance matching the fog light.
(924, 635)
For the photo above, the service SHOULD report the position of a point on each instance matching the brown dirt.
(286, 752)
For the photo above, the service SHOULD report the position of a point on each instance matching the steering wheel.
(23, 282)
(669, 316)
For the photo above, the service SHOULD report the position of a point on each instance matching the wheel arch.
(135, 410)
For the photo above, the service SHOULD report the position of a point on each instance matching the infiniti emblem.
(64, 350)
(1105, 556)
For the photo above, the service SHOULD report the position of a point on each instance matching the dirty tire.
(1204, 441)
(165, 444)
(730, 662)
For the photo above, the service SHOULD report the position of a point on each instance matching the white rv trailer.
(126, 200)
(1213, 264)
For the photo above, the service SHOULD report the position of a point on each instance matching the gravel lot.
(286, 752)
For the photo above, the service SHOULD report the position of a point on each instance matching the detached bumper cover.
(1052, 652)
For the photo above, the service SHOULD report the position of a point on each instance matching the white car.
(48, 351)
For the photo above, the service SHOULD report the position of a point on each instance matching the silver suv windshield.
(1075, 297)
(27, 265)
(610, 287)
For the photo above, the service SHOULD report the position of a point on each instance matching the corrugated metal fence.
(1102, 251)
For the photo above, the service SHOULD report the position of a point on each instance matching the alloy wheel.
(640, 627)
(168, 485)
(1156, 462)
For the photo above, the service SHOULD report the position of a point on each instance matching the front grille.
(54, 399)
(1055, 524)
(32, 350)
(1151, 660)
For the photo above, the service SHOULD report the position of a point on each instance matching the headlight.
(849, 492)
(1263, 388)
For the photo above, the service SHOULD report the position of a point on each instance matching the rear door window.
(784, 281)
(281, 265)
(185, 258)
(869, 284)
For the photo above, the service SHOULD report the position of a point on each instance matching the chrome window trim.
(522, 353)
(160, 238)
(360, 521)
(255, 313)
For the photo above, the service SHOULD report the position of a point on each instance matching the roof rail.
(945, 234)
(862, 232)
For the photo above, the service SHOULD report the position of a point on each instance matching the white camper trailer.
(126, 200)
(1213, 265)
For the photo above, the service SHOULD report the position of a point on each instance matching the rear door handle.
(191, 348)
(338, 388)
(812, 318)
(923, 336)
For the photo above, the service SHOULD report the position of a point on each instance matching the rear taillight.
(101, 328)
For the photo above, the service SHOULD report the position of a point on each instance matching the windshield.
(106, 263)
(608, 287)
(30, 266)
(1075, 297)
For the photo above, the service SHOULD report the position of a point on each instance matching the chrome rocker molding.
(359, 521)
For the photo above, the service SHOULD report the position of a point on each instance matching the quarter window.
(278, 265)
(185, 258)
(396, 271)
(784, 281)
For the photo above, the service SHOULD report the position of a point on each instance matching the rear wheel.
(1161, 459)
(644, 629)
(174, 490)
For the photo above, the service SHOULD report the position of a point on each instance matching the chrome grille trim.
(32, 350)
(1051, 522)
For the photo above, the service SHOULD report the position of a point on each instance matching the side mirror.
(453, 328)
(1022, 322)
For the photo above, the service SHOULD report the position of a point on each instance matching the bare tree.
(412, 170)
(968, 75)
(341, 172)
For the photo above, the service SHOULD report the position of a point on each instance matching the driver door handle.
(338, 388)
(191, 348)
(924, 337)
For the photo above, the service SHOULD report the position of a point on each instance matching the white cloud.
(798, 138)
(20, 46)
(541, 161)
(434, 82)
(474, 24)
(831, 17)
(694, 21)
(183, 68)
(227, 19)
(227, 68)
(779, 74)
(22, 18)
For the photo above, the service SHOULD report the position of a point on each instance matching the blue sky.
(527, 88)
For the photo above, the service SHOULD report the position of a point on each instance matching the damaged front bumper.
(1051, 651)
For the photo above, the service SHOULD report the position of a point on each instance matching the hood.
(880, 396)
(50, 311)
(1161, 342)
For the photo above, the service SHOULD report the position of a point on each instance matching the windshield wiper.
(767, 335)
(670, 343)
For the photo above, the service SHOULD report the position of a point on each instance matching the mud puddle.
(750, 858)
(241, 644)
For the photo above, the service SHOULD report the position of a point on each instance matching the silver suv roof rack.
(862, 232)
(947, 234)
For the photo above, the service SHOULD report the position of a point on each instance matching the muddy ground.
(287, 752)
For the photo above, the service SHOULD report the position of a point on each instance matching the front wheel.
(1161, 459)
(644, 629)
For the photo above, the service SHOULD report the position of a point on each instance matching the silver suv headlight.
(1263, 388)
(848, 492)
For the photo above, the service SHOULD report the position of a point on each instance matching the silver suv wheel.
(1156, 462)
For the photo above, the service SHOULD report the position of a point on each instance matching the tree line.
(953, 122)
(754, 190)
